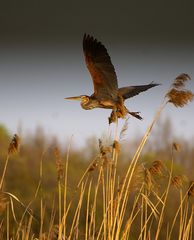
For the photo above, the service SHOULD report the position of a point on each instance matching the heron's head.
(85, 101)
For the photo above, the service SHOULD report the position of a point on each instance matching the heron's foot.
(136, 115)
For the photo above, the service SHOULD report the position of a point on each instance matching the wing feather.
(131, 91)
(100, 67)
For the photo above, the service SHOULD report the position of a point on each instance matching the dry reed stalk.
(60, 173)
(180, 100)
(84, 176)
(7, 223)
(130, 172)
(108, 189)
(87, 212)
(106, 207)
(88, 170)
(104, 221)
(145, 218)
(51, 223)
(151, 214)
(188, 228)
(183, 199)
(42, 212)
(132, 216)
(27, 210)
(13, 148)
(184, 221)
(141, 218)
(65, 188)
(27, 235)
(185, 226)
(92, 226)
(77, 211)
(42, 209)
(111, 179)
(3, 202)
(165, 199)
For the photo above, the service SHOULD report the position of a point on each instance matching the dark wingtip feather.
(153, 84)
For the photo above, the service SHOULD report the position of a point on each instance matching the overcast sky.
(41, 61)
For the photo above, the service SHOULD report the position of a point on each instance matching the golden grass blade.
(151, 205)
(28, 228)
(87, 211)
(7, 222)
(76, 215)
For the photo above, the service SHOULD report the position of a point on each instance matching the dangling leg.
(113, 116)
(135, 114)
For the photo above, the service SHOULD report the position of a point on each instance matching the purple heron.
(106, 92)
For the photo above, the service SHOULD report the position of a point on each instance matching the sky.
(41, 62)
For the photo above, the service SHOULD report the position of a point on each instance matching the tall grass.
(108, 204)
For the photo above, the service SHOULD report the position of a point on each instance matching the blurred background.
(41, 62)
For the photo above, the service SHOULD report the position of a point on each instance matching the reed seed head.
(148, 179)
(93, 166)
(116, 146)
(14, 145)
(177, 181)
(124, 129)
(105, 152)
(103, 149)
(180, 80)
(156, 168)
(59, 164)
(176, 146)
(178, 96)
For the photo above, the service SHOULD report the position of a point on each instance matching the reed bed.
(110, 206)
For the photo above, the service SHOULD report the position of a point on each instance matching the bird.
(106, 94)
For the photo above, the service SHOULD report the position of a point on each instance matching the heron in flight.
(106, 92)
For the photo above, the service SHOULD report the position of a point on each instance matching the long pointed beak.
(74, 98)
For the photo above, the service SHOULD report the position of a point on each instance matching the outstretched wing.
(131, 91)
(100, 67)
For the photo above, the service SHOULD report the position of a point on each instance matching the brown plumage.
(106, 92)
